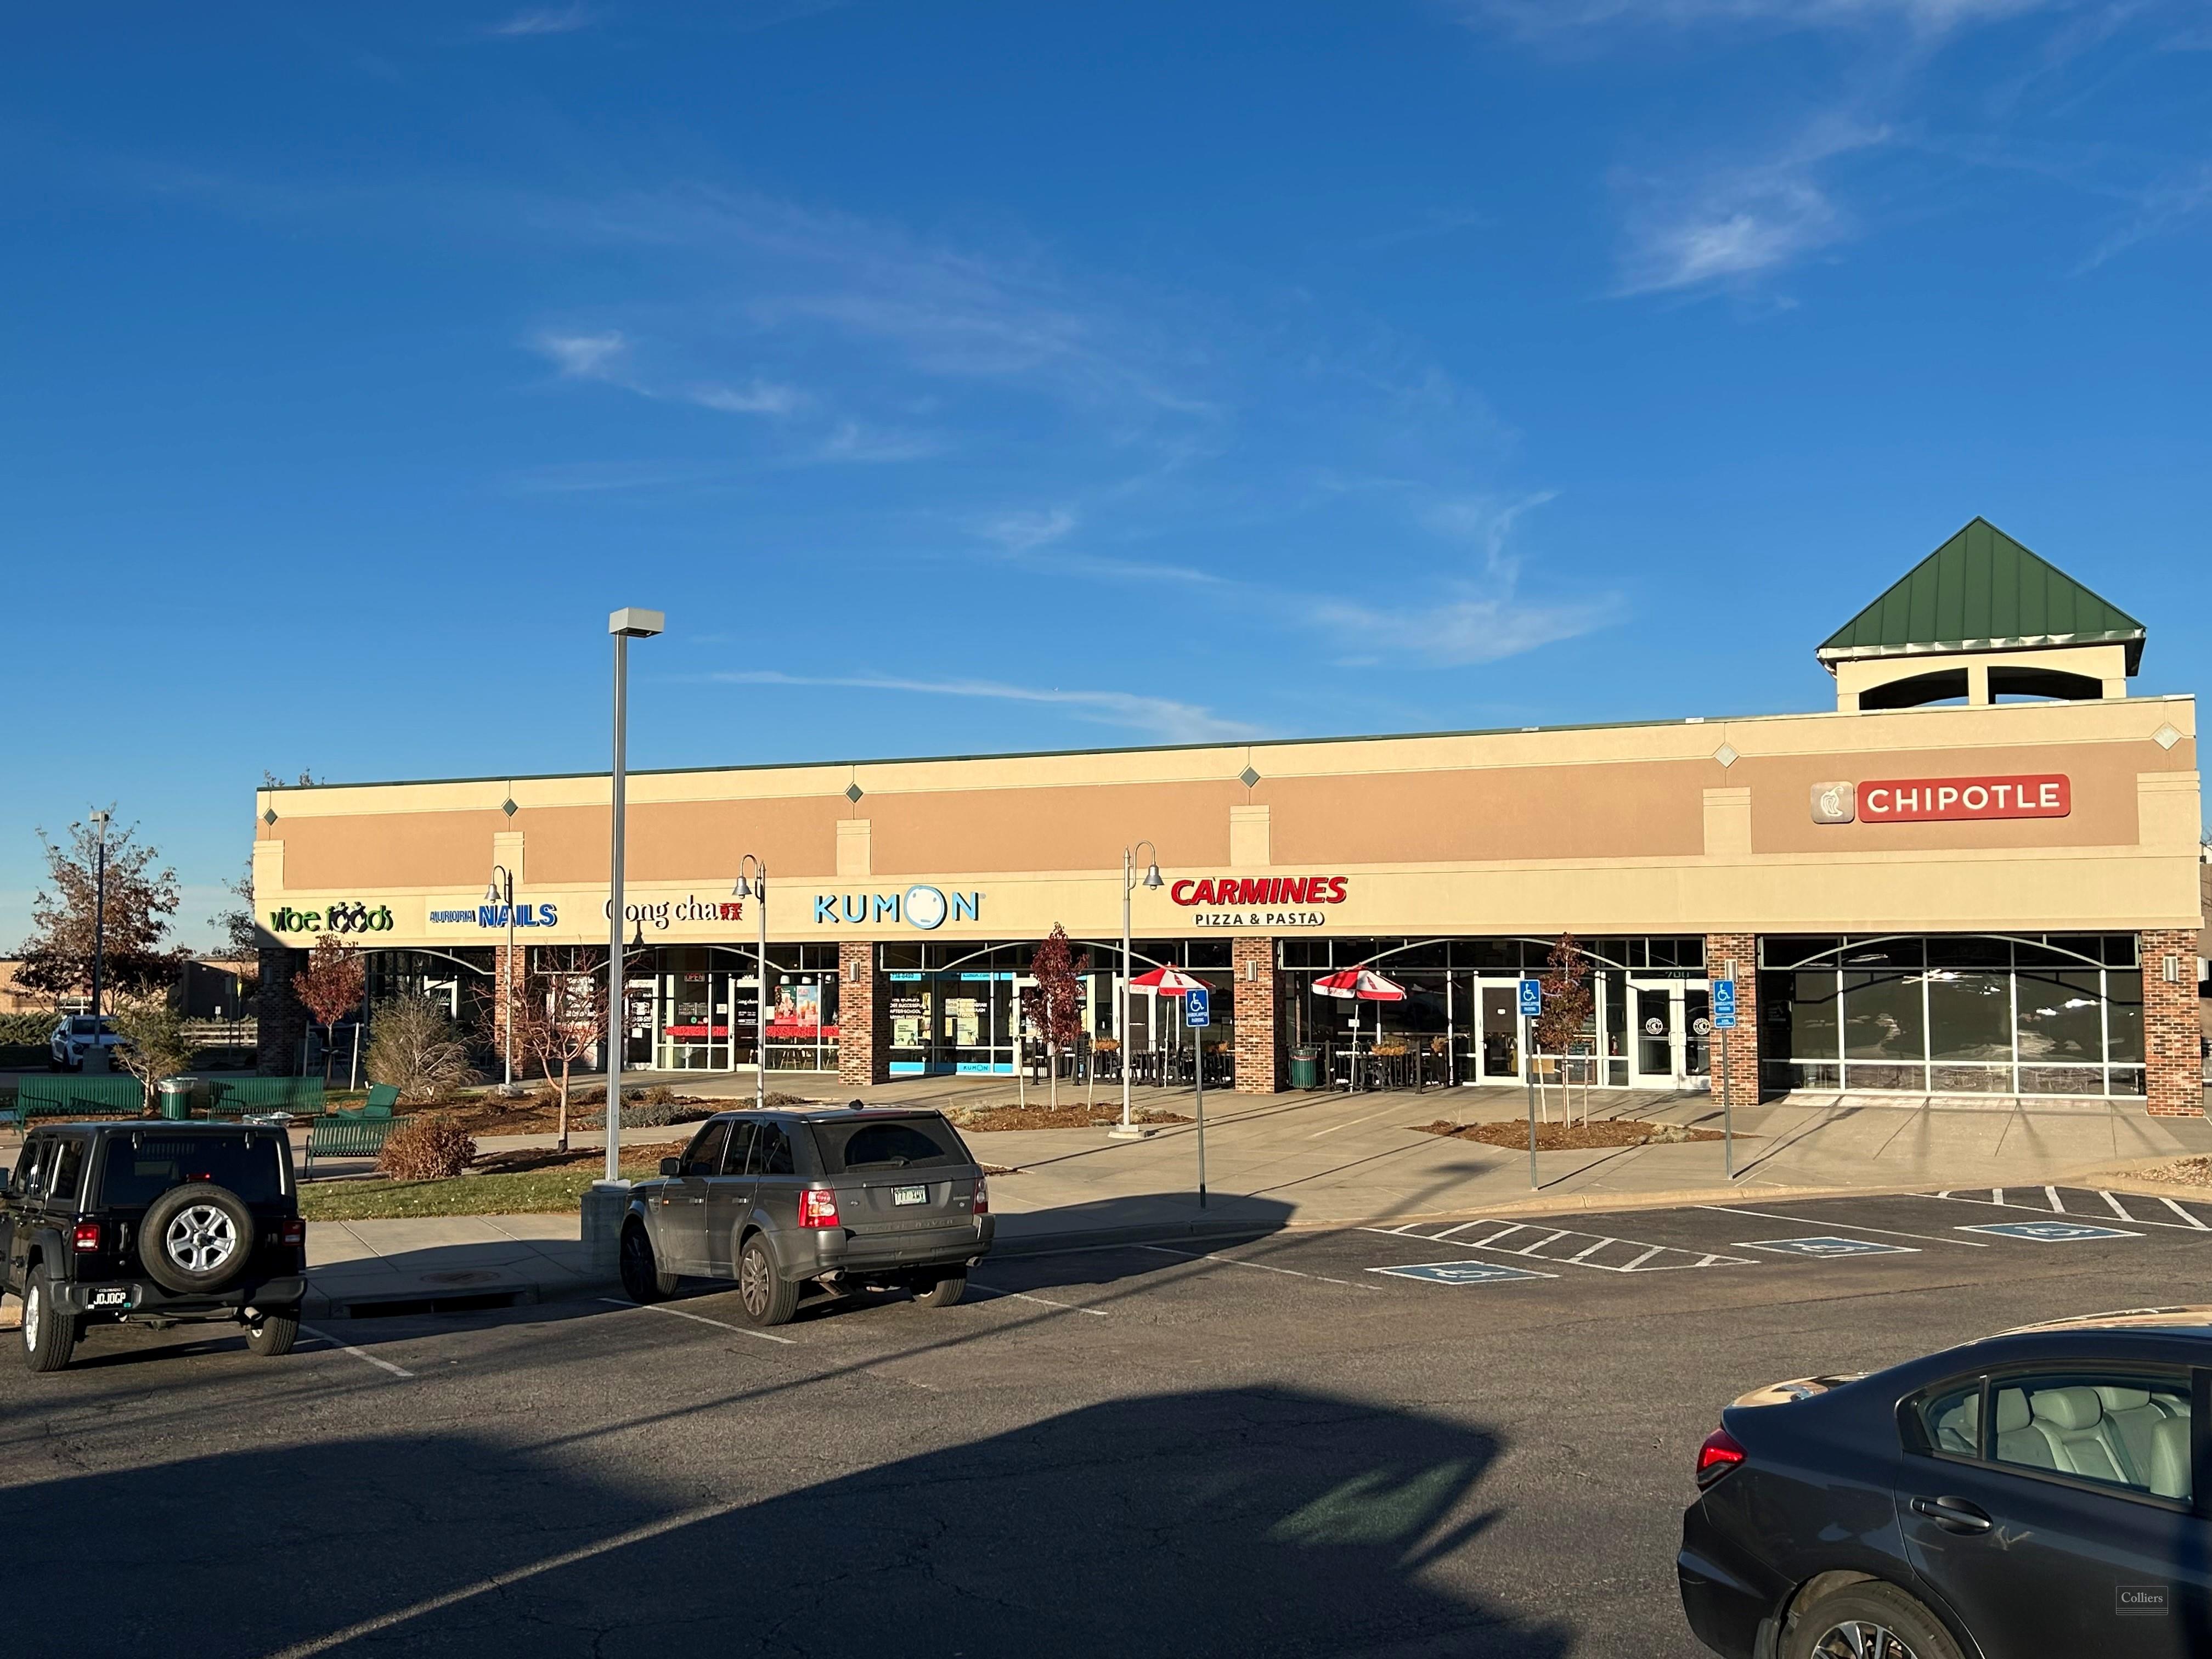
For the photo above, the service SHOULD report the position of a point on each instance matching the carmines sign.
(1259, 901)
(1925, 800)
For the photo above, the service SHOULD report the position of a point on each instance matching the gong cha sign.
(1934, 800)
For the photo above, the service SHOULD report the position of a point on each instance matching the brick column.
(1259, 1063)
(1743, 1042)
(864, 1017)
(281, 1019)
(505, 996)
(2174, 1034)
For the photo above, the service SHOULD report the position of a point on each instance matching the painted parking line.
(1461, 1273)
(2136, 1209)
(1042, 1302)
(1238, 1262)
(1812, 1221)
(1537, 1242)
(701, 1319)
(365, 1358)
(1826, 1248)
(2051, 1232)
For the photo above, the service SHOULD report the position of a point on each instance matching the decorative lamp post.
(500, 892)
(1126, 1129)
(752, 884)
(626, 625)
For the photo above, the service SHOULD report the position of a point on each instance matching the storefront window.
(1969, 1016)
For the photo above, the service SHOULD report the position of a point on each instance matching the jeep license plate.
(909, 1194)
(111, 1296)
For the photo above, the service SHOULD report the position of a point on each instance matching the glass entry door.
(1657, 1013)
(1501, 1032)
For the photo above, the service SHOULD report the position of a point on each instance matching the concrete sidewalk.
(1322, 1160)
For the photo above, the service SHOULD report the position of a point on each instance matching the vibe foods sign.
(1212, 897)
(1944, 800)
(343, 916)
(924, 908)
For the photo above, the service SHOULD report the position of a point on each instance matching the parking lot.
(1465, 1437)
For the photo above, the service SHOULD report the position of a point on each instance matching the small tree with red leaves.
(1569, 997)
(1055, 1003)
(331, 984)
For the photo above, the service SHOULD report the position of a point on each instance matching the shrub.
(27, 1028)
(416, 1047)
(659, 1095)
(426, 1149)
(657, 1115)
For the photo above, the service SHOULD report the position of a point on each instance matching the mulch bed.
(1596, 1135)
(2182, 1172)
(539, 1113)
(992, 1119)
(527, 1160)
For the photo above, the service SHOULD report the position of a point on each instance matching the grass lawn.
(541, 1190)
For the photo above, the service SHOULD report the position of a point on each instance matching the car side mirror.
(671, 1166)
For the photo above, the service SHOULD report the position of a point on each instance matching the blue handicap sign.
(2051, 1232)
(1197, 1008)
(1723, 1005)
(1824, 1246)
(1532, 998)
(1461, 1273)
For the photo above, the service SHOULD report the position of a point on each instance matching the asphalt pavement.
(1470, 1437)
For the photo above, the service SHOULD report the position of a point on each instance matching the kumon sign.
(1938, 801)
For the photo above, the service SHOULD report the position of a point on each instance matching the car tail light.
(817, 1208)
(292, 1231)
(982, 1197)
(87, 1236)
(1721, 1452)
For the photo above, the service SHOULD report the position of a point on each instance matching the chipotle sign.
(1925, 800)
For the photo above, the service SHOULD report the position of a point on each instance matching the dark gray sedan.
(846, 1198)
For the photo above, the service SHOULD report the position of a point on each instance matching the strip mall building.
(1979, 875)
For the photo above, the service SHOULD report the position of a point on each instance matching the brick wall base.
(1259, 1063)
(281, 1016)
(1743, 1045)
(2174, 1031)
(864, 1017)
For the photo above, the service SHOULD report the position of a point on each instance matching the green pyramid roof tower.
(1982, 590)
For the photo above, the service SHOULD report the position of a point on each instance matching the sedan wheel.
(1856, 1639)
(1867, 1620)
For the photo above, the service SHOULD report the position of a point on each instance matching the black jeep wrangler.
(149, 1223)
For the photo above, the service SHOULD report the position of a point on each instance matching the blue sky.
(968, 376)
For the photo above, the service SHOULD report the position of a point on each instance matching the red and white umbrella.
(1168, 982)
(1367, 986)
(1364, 983)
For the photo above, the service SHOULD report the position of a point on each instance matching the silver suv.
(859, 1197)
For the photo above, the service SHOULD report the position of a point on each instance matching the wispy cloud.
(1023, 530)
(1542, 17)
(559, 19)
(1730, 224)
(607, 357)
(587, 356)
(1163, 718)
(2157, 208)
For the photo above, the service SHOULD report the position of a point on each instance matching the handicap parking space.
(2090, 1205)
(1827, 1247)
(2051, 1232)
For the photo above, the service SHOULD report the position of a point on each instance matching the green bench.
(254, 1097)
(341, 1134)
(79, 1096)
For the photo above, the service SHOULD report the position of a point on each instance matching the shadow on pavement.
(1263, 1522)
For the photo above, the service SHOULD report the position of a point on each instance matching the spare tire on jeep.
(196, 1238)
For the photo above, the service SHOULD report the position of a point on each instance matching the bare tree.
(559, 1015)
(414, 1046)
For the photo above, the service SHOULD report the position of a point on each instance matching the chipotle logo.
(1260, 890)
(1926, 800)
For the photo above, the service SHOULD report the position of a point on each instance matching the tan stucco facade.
(1689, 827)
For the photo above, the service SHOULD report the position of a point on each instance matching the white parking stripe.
(2056, 1208)
(1592, 1249)
(2114, 1205)
(2185, 1215)
(1461, 1228)
(679, 1313)
(348, 1348)
(1848, 1226)
(1540, 1244)
(1042, 1302)
(1265, 1267)
(1641, 1260)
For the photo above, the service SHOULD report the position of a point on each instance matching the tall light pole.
(626, 625)
(1127, 1129)
(752, 884)
(501, 893)
(96, 1056)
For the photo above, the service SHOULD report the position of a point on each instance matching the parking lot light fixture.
(627, 624)
(752, 884)
(1127, 1129)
